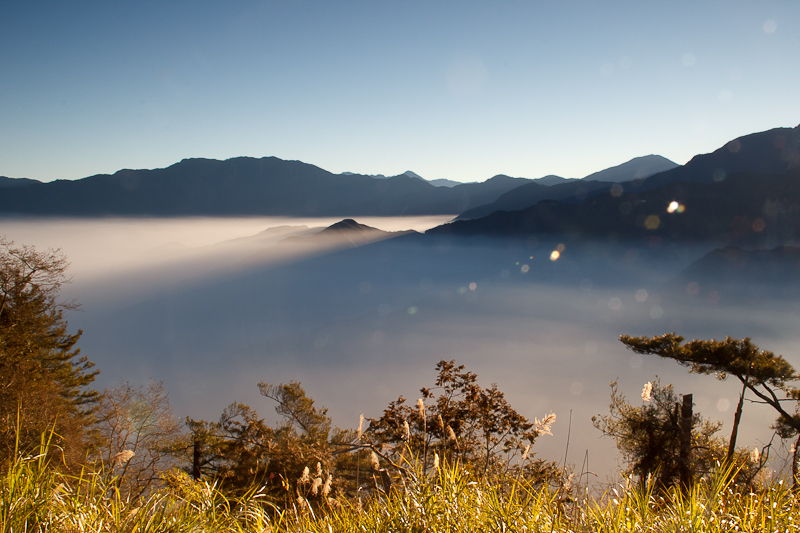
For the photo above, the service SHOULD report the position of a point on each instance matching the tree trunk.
(735, 431)
(196, 475)
(686, 443)
(386, 480)
(796, 465)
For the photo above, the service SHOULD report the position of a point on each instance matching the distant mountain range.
(573, 190)
(748, 208)
(245, 186)
(745, 192)
(249, 186)
(546, 180)
(755, 152)
(774, 151)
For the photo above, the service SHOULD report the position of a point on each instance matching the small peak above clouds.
(350, 225)
(347, 224)
(346, 233)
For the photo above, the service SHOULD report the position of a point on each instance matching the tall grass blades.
(446, 499)
(714, 504)
(36, 497)
(28, 486)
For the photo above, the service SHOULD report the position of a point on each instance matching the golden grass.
(36, 497)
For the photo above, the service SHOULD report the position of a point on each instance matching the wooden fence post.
(686, 443)
(196, 474)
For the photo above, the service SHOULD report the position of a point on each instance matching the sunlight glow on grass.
(34, 496)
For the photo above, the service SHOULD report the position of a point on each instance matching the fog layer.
(212, 307)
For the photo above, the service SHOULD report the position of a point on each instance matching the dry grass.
(36, 497)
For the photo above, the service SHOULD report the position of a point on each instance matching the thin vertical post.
(686, 443)
(196, 474)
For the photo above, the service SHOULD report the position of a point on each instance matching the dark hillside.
(771, 152)
(245, 186)
(747, 208)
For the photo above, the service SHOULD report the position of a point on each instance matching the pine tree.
(43, 379)
(760, 371)
(297, 457)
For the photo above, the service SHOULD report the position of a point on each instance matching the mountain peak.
(347, 224)
(550, 179)
(348, 233)
(637, 168)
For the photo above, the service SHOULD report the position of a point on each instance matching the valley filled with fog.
(213, 306)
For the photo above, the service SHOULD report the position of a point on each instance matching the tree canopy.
(760, 371)
(241, 449)
(648, 436)
(43, 379)
(464, 422)
(739, 358)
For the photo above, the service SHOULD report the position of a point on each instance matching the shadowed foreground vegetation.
(36, 497)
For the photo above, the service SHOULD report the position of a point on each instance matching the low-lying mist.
(212, 307)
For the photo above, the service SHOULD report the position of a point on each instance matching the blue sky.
(459, 90)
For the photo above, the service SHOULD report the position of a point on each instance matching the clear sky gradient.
(449, 89)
